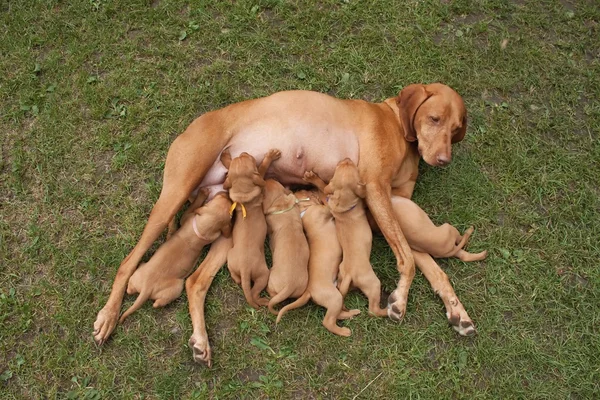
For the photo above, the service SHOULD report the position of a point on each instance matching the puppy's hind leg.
(334, 308)
(259, 285)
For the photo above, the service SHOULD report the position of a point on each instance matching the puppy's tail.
(141, 299)
(246, 282)
(467, 257)
(278, 298)
(302, 300)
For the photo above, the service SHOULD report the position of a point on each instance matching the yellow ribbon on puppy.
(233, 206)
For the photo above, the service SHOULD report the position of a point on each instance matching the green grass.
(93, 92)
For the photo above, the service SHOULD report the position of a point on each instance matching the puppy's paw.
(200, 349)
(396, 308)
(309, 176)
(205, 191)
(274, 154)
(347, 314)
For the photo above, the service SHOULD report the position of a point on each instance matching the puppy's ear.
(227, 183)
(408, 101)
(460, 135)
(360, 190)
(258, 180)
(226, 230)
(226, 158)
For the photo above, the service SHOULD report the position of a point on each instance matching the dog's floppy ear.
(460, 135)
(226, 230)
(226, 158)
(408, 101)
(199, 211)
(360, 190)
(227, 183)
(258, 180)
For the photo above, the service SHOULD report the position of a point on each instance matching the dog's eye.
(435, 120)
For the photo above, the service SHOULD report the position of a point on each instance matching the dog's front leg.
(271, 156)
(380, 205)
(456, 313)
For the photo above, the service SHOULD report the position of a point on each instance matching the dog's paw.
(205, 192)
(396, 308)
(274, 154)
(459, 319)
(106, 321)
(348, 314)
(309, 176)
(200, 349)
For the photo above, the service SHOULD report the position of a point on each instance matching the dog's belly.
(315, 135)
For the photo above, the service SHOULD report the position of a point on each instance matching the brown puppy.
(246, 260)
(289, 273)
(323, 264)
(314, 131)
(161, 278)
(346, 193)
(423, 236)
(196, 287)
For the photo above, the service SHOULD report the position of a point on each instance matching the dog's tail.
(467, 257)
(302, 300)
(139, 302)
(246, 287)
(279, 297)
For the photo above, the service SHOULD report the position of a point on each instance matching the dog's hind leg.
(189, 158)
(196, 287)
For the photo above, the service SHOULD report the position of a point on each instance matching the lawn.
(92, 92)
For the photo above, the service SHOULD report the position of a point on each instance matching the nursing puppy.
(289, 273)
(323, 264)
(161, 278)
(422, 234)
(246, 260)
(345, 199)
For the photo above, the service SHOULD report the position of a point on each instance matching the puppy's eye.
(435, 120)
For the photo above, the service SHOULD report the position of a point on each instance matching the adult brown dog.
(314, 131)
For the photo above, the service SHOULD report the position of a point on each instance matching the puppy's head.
(218, 210)
(345, 188)
(276, 197)
(435, 116)
(243, 180)
(307, 198)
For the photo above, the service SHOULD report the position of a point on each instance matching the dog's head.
(243, 181)
(218, 210)
(435, 116)
(307, 198)
(345, 188)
